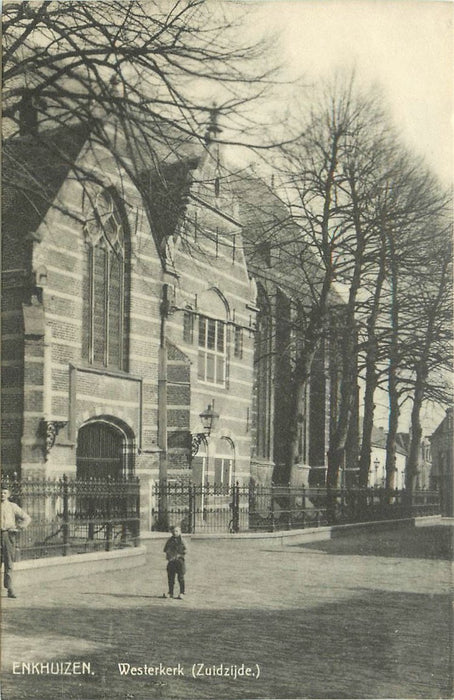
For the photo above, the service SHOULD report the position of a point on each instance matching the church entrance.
(102, 451)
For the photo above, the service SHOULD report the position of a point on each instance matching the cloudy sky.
(404, 45)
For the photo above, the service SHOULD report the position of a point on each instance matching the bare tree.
(420, 202)
(150, 67)
(428, 342)
(351, 209)
(336, 174)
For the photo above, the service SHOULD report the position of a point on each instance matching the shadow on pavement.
(374, 644)
(124, 595)
(432, 542)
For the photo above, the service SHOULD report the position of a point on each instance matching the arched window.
(105, 337)
(212, 339)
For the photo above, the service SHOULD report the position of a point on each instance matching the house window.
(212, 351)
(188, 327)
(238, 342)
(104, 297)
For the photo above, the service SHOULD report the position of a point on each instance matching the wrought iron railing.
(240, 508)
(70, 516)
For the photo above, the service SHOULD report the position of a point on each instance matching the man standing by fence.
(13, 519)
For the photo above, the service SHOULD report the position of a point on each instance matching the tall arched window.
(212, 338)
(104, 341)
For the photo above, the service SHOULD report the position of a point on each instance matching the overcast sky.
(406, 46)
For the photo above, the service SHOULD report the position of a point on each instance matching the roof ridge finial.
(213, 127)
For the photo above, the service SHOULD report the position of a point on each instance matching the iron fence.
(73, 516)
(239, 508)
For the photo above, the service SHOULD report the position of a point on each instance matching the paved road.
(360, 617)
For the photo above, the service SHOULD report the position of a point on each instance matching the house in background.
(377, 473)
(442, 445)
(424, 480)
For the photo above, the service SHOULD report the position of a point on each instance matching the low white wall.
(55, 568)
(310, 534)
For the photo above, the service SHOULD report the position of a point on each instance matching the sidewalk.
(366, 616)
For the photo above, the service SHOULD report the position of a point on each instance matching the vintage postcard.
(227, 349)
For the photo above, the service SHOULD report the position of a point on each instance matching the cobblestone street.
(363, 616)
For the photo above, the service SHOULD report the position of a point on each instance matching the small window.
(238, 342)
(188, 327)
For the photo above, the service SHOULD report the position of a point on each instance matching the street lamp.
(209, 419)
(376, 465)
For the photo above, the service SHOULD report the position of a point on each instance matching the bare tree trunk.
(303, 371)
(392, 374)
(371, 374)
(416, 430)
(314, 330)
(368, 420)
(336, 450)
(432, 312)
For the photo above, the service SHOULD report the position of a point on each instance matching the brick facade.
(52, 390)
(167, 268)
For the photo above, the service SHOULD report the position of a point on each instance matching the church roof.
(273, 242)
(34, 168)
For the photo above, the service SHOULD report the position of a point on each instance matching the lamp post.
(209, 418)
(376, 465)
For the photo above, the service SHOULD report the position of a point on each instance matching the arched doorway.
(104, 450)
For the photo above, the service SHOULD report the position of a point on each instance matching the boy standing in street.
(175, 551)
(13, 519)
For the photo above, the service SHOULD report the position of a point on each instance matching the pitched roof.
(379, 438)
(273, 242)
(34, 168)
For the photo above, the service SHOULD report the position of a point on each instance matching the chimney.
(28, 114)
